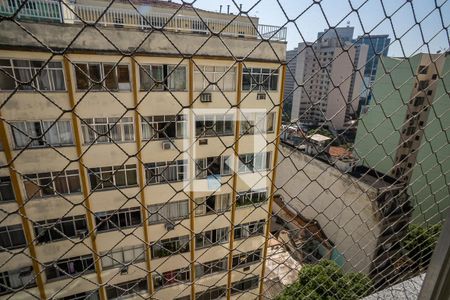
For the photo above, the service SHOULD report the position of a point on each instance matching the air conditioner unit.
(169, 226)
(124, 270)
(203, 142)
(166, 145)
(261, 96)
(205, 97)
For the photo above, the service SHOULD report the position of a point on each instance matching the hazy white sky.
(309, 17)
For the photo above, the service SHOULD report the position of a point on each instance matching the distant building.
(325, 72)
(378, 46)
(405, 130)
(289, 82)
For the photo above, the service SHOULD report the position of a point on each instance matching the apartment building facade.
(404, 133)
(146, 174)
(326, 72)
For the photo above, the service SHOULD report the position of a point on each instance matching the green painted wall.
(430, 181)
(378, 137)
(379, 129)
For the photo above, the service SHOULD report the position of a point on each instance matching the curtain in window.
(43, 79)
(20, 139)
(52, 136)
(57, 77)
(177, 79)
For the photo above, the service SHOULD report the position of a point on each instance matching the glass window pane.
(111, 77)
(81, 76)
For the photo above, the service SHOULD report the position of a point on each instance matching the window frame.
(180, 124)
(102, 87)
(41, 139)
(211, 238)
(87, 262)
(6, 183)
(33, 181)
(124, 262)
(44, 228)
(104, 220)
(181, 243)
(32, 71)
(90, 127)
(111, 183)
(13, 232)
(155, 210)
(218, 78)
(243, 201)
(252, 74)
(166, 78)
(178, 167)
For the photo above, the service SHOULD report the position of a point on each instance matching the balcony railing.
(52, 10)
(46, 10)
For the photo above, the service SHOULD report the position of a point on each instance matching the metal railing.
(121, 17)
(47, 10)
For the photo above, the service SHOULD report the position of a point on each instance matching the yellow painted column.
(26, 224)
(191, 125)
(83, 176)
(141, 173)
(272, 187)
(235, 176)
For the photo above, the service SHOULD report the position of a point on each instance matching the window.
(423, 69)
(91, 295)
(162, 77)
(257, 123)
(254, 162)
(12, 237)
(100, 76)
(246, 230)
(212, 166)
(12, 280)
(6, 189)
(169, 211)
(170, 278)
(59, 229)
(30, 134)
(211, 267)
(164, 127)
(50, 77)
(112, 177)
(245, 285)
(117, 219)
(251, 198)
(129, 288)
(260, 79)
(70, 267)
(244, 259)
(211, 237)
(212, 293)
(122, 257)
(423, 84)
(212, 204)
(165, 171)
(172, 246)
(52, 183)
(214, 125)
(434, 77)
(419, 101)
(107, 130)
(410, 130)
(214, 78)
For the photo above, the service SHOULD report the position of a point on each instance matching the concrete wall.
(341, 204)
(109, 39)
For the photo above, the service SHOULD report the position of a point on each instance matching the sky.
(414, 23)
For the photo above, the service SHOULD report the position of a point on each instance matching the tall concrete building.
(378, 45)
(290, 84)
(404, 133)
(129, 175)
(325, 71)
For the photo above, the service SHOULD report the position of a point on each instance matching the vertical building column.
(83, 176)
(191, 125)
(141, 174)
(272, 179)
(234, 179)
(26, 224)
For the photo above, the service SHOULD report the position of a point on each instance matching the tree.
(325, 281)
(419, 244)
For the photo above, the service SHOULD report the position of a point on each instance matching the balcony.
(140, 18)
